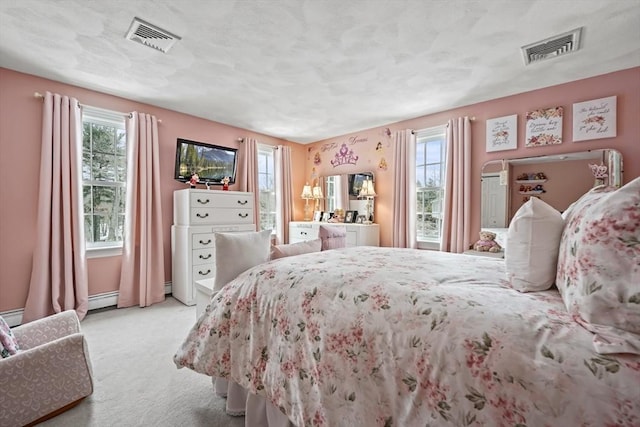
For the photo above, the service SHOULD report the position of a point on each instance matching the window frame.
(116, 120)
(266, 150)
(425, 136)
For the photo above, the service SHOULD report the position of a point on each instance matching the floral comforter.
(400, 337)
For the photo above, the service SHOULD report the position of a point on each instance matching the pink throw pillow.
(333, 236)
(282, 251)
(599, 266)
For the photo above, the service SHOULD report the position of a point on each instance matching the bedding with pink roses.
(399, 337)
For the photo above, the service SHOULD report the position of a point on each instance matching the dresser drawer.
(218, 200)
(203, 216)
(203, 256)
(352, 238)
(204, 271)
(202, 240)
(302, 232)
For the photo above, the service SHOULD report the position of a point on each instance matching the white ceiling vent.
(552, 47)
(150, 35)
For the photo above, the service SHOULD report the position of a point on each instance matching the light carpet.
(135, 380)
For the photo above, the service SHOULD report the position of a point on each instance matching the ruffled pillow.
(8, 343)
(599, 266)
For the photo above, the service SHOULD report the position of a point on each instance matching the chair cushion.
(333, 236)
(8, 343)
(238, 252)
(533, 240)
(599, 266)
(299, 248)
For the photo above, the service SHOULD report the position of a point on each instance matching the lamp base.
(307, 213)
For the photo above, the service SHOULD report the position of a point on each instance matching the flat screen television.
(211, 162)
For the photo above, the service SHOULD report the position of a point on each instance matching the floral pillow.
(599, 266)
(8, 344)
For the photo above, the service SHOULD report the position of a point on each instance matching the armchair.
(49, 374)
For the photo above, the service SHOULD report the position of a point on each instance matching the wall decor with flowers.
(502, 133)
(594, 119)
(544, 127)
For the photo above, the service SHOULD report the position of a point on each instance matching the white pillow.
(238, 252)
(533, 240)
(282, 251)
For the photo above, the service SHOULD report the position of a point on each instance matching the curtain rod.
(41, 96)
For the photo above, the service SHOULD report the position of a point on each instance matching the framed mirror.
(341, 191)
(558, 179)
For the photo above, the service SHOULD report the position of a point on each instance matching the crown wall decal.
(344, 156)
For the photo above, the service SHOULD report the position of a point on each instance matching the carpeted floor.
(136, 382)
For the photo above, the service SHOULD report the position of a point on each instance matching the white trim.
(104, 300)
(103, 252)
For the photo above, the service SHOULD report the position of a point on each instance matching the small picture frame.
(349, 216)
(317, 216)
(326, 216)
(360, 219)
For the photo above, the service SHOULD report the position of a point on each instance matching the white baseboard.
(107, 299)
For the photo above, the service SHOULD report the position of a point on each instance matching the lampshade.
(317, 192)
(367, 189)
(306, 192)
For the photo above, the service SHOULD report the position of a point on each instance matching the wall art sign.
(502, 133)
(594, 119)
(544, 127)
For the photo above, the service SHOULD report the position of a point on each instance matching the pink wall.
(624, 84)
(20, 123)
(20, 120)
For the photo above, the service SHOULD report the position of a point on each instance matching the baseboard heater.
(97, 301)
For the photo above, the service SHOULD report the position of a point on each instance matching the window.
(104, 167)
(267, 187)
(332, 193)
(430, 173)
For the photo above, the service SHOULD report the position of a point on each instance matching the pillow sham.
(238, 252)
(299, 248)
(533, 240)
(333, 236)
(8, 343)
(599, 267)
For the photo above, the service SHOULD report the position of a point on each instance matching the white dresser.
(197, 215)
(357, 234)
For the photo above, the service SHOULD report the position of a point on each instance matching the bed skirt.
(256, 410)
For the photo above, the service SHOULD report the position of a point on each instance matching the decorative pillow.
(281, 251)
(8, 344)
(533, 240)
(599, 267)
(333, 236)
(238, 252)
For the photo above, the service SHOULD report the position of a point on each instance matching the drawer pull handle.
(204, 257)
(243, 202)
(204, 202)
(202, 242)
(205, 273)
(202, 216)
(243, 215)
(303, 232)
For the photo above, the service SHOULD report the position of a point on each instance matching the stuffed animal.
(487, 243)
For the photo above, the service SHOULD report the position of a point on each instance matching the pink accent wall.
(20, 121)
(20, 124)
(623, 84)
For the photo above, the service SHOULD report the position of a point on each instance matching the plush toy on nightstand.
(487, 243)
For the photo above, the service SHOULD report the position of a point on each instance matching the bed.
(400, 337)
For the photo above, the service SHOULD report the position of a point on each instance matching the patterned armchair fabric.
(50, 372)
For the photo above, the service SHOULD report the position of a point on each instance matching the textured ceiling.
(306, 70)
